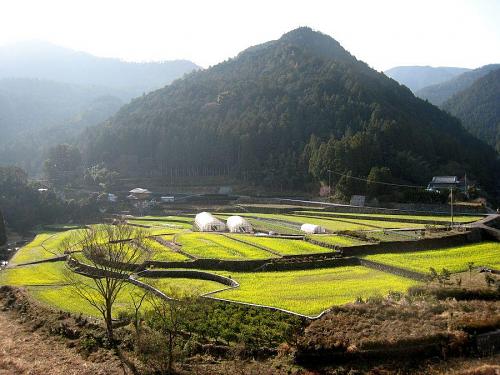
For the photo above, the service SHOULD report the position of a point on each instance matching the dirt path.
(26, 352)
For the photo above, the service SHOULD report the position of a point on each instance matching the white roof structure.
(312, 228)
(206, 222)
(238, 224)
(139, 191)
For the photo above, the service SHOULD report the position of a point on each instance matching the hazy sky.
(382, 33)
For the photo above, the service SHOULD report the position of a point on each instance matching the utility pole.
(329, 185)
(451, 206)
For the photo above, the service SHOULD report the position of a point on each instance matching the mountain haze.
(283, 112)
(418, 77)
(46, 61)
(439, 93)
(478, 106)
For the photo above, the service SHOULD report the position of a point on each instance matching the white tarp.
(206, 222)
(239, 224)
(312, 228)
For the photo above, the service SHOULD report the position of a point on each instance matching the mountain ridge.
(416, 77)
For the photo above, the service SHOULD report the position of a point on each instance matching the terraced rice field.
(336, 240)
(281, 245)
(44, 246)
(454, 259)
(213, 245)
(312, 291)
(442, 218)
(334, 224)
(162, 253)
(182, 286)
(36, 274)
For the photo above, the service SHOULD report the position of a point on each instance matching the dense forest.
(284, 112)
(418, 77)
(441, 92)
(3, 234)
(478, 107)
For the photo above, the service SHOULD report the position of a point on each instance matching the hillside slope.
(418, 77)
(478, 107)
(282, 112)
(439, 93)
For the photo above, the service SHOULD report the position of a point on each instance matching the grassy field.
(44, 246)
(454, 259)
(281, 245)
(330, 239)
(312, 291)
(213, 245)
(181, 286)
(36, 274)
(442, 218)
(334, 224)
(163, 253)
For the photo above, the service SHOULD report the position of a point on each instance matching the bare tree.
(111, 253)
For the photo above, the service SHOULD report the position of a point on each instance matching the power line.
(377, 182)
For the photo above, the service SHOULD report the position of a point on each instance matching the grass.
(334, 224)
(183, 286)
(36, 274)
(443, 218)
(44, 246)
(163, 253)
(281, 245)
(342, 241)
(213, 245)
(313, 291)
(454, 259)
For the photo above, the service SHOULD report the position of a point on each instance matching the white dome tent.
(237, 224)
(206, 222)
(312, 229)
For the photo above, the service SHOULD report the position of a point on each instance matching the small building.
(167, 199)
(439, 183)
(206, 222)
(312, 229)
(237, 224)
(140, 193)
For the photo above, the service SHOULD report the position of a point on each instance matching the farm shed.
(239, 224)
(206, 222)
(312, 228)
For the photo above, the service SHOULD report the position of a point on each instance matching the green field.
(281, 245)
(443, 218)
(36, 274)
(182, 286)
(454, 259)
(334, 224)
(312, 291)
(337, 240)
(163, 253)
(213, 245)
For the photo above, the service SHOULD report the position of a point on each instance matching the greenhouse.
(312, 229)
(206, 222)
(237, 224)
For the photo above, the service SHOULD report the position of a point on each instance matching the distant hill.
(50, 62)
(280, 115)
(35, 114)
(418, 77)
(478, 106)
(439, 93)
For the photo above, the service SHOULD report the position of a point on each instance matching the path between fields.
(25, 352)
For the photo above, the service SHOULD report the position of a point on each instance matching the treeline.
(26, 204)
(280, 115)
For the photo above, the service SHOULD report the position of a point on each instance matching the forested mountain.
(3, 234)
(284, 112)
(478, 107)
(50, 62)
(35, 114)
(439, 93)
(418, 77)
